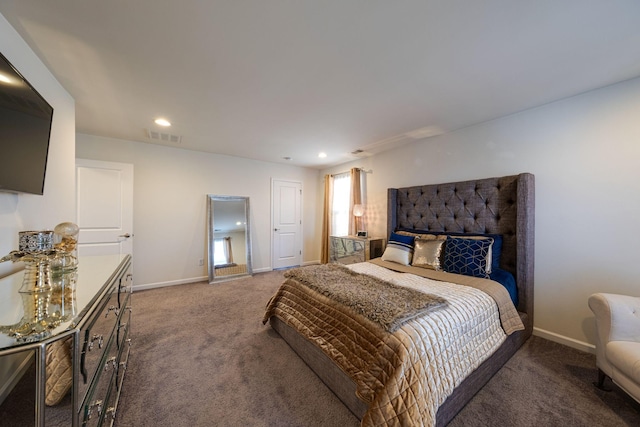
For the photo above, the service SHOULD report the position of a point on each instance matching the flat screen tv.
(25, 128)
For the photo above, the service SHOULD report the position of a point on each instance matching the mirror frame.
(211, 198)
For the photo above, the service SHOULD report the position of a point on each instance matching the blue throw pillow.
(467, 256)
(507, 280)
(399, 249)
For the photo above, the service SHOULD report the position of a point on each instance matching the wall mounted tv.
(25, 128)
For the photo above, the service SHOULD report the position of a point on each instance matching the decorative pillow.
(496, 248)
(495, 251)
(425, 235)
(426, 253)
(507, 280)
(399, 249)
(490, 256)
(467, 256)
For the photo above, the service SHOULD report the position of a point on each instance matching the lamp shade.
(358, 210)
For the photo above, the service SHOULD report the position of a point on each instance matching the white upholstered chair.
(618, 341)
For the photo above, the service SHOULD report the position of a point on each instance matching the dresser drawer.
(94, 340)
(125, 349)
(95, 403)
(125, 287)
(109, 415)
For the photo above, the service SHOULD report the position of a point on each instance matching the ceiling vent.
(163, 137)
(360, 153)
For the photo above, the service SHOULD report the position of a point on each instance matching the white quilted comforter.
(447, 345)
(404, 376)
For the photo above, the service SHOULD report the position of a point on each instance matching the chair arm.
(617, 317)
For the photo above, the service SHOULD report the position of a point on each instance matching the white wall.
(170, 188)
(29, 212)
(585, 154)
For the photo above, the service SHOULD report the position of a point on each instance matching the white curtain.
(341, 204)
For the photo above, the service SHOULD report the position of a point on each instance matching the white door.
(286, 199)
(104, 192)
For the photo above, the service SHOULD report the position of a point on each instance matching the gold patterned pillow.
(59, 368)
(427, 252)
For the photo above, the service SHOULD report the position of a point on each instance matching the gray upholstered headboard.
(503, 205)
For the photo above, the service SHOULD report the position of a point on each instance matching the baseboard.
(169, 283)
(198, 279)
(561, 339)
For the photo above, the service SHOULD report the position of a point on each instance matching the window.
(340, 204)
(219, 252)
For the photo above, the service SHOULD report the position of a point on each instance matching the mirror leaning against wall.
(228, 238)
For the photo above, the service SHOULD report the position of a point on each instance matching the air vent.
(163, 137)
(360, 153)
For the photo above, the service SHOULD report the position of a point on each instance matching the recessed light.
(162, 122)
(322, 155)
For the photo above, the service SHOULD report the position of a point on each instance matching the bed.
(502, 206)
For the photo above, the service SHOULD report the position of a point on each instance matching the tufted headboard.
(503, 205)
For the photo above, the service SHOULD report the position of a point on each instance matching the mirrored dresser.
(64, 352)
(352, 249)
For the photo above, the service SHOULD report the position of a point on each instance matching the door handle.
(276, 229)
(126, 236)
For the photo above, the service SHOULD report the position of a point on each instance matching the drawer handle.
(98, 405)
(111, 411)
(110, 362)
(98, 338)
(113, 308)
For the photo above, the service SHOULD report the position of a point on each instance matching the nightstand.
(351, 249)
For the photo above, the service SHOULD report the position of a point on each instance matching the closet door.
(286, 200)
(104, 192)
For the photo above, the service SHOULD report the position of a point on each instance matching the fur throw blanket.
(384, 303)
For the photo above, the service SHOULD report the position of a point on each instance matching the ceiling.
(273, 79)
